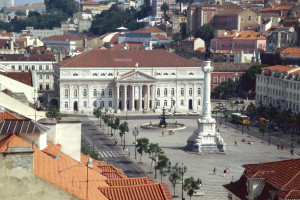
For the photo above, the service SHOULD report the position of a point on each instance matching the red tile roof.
(4, 114)
(127, 58)
(280, 68)
(16, 8)
(128, 181)
(12, 141)
(161, 37)
(152, 191)
(23, 77)
(63, 38)
(90, 2)
(151, 29)
(52, 150)
(31, 57)
(6, 34)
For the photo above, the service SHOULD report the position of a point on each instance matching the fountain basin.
(170, 126)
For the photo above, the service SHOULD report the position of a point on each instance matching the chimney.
(15, 156)
(90, 163)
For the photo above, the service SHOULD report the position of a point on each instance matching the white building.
(145, 80)
(279, 86)
(64, 43)
(42, 33)
(41, 63)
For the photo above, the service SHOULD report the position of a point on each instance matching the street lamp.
(182, 170)
(112, 124)
(156, 159)
(135, 133)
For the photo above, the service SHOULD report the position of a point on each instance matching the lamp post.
(156, 158)
(112, 124)
(182, 170)
(135, 133)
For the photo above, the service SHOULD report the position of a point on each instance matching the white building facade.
(279, 86)
(128, 80)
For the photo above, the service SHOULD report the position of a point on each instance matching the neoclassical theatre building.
(128, 80)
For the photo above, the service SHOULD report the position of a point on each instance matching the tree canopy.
(206, 33)
(225, 90)
(53, 113)
(68, 7)
(110, 20)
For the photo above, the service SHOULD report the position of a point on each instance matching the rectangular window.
(40, 67)
(222, 79)
(41, 76)
(26, 67)
(249, 18)
(47, 67)
(20, 67)
(215, 79)
(41, 86)
(47, 86)
(33, 67)
(242, 19)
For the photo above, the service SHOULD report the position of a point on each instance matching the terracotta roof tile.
(280, 68)
(161, 37)
(16, 8)
(127, 58)
(52, 150)
(6, 34)
(90, 2)
(151, 29)
(23, 77)
(6, 115)
(31, 57)
(127, 181)
(146, 192)
(12, 141)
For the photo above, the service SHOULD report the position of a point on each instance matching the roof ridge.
(75, 58)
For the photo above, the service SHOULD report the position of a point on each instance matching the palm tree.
(165, 8)
(123, 129)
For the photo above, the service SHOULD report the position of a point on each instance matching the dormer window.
(102, 74)
(166, 74)
(75, 74)
(172, 73)
(191, 73)
(158, 74)
(110, 74)
(95, 74)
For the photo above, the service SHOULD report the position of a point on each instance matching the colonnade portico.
(134, 96)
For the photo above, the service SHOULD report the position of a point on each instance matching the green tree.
(175, 177)
(116, 126)
(164, 7)
(225, 90)
(183, 29)
(153, 151)
(97, 113)
(87, 150)
(53, 113)
(190, 185)
(206, 33)
(68, 7)
(142, 146)
(162, 163)
(262, 130)
(251, 111)
(123, 129)
(20, 13)
(248, 80)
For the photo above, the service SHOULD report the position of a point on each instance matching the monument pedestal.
(206, 139)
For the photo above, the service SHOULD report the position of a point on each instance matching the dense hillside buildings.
(133, 80)
(279, 86)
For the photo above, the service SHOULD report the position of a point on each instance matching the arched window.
(102, 93)
(84, 104)
(102, 74)
(110, 93)
(166, 92)
(199, 91)
(172, 73)
(191, 73)
(182, 92)
(173, 92)
(84, 92)
(182, 102)
(158, 92)
(158, 74)
(102, 104)
(75, 74)
(95, 104)
(66, 93)
(95, 74)
(157, 103)
(110, 104)
(66, 105)
(166, 103)
(110, 74)
(166, 74)
(75, 93)
(199, 102)
(191, 91)
(95, 93)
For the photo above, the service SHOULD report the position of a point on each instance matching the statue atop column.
(205, 139)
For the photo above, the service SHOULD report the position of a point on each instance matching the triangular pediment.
(136, 76)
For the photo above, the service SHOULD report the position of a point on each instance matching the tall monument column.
(206, 139)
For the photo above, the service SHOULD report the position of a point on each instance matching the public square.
(201, 166)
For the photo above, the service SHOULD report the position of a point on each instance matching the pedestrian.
(218, 129)
(173, 132)
(282, 146)
(235, 143)
(200, 183)
(225, 171)
(169, 166)
(162, 133)
(229, 170)
(214, 170)
(277, 146)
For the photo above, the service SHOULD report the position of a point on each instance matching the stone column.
(154, 97)
(185, 96)
(206, 97)
(125, 98)
(132, 97)
(148, 97)
(117, 95)
(140, 97)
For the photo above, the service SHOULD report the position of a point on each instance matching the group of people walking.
(227, 170)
